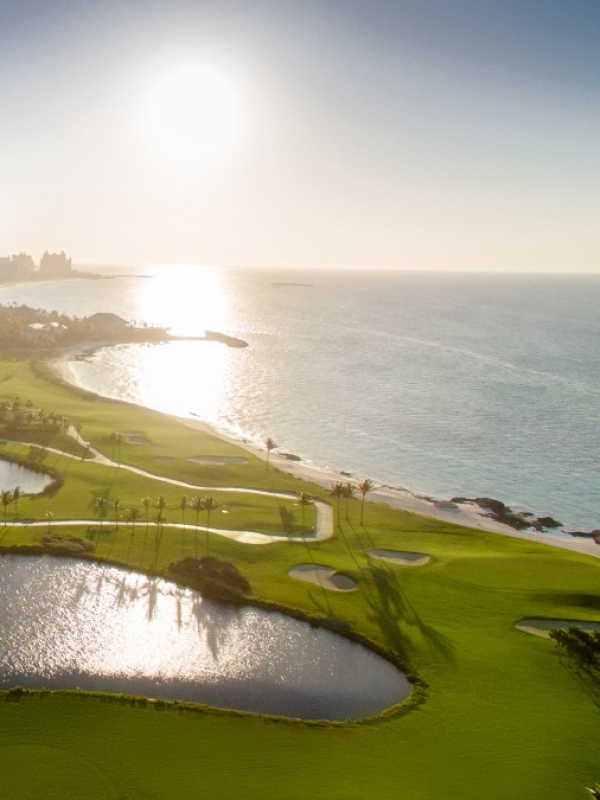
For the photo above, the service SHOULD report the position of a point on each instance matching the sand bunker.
(218, 460)
(323, 576)
(400, 557)
(542, 627)
(133, 437)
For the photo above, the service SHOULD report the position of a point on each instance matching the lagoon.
(78, 625)
(13, 475)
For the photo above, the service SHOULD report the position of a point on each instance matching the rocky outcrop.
(500, 512)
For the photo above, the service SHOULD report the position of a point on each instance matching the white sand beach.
(467, 514)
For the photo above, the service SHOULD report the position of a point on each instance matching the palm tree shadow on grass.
(390, 605)
(588, 681)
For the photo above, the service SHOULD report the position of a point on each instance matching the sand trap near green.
(133, 437)
(218, 460)
(323, 576)
(408, 558)
(542, 627)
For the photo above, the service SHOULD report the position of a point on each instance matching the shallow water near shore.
(446, 384)
(78, 625)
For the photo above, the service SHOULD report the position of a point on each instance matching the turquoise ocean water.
(445, 384)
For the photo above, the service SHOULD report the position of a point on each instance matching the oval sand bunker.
(218, 460)
(405, 557)
(542, 627)
(323, 576)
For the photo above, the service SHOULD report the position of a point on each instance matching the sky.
(364, 134)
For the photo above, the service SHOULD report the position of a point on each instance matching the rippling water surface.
(67, 624)
(445, 384)
(29, 482)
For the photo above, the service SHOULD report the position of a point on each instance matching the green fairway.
(502, 716)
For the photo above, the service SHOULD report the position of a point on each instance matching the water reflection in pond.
(70, 624)
(12, 475)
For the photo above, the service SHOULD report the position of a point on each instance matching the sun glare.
(194, 114)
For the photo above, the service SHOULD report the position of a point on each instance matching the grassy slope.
(504, 719)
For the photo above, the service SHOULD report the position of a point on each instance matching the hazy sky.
(434, 134)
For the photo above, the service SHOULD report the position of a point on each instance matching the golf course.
(495, 712)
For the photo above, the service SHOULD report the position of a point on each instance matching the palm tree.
(49, 516)
(100, 505)
(337, 490)
(209, 504)
(197, 505)
(161, 504)
(17, 494)
(133, 514)
(270, 444)
(6, 498)
(183, 503)
(116, 506)
(348, 493)
(304, 499)
(364, 487)
(145, 501)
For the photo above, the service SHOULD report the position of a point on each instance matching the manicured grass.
(504, 718)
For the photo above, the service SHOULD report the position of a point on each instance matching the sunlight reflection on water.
(68, 624)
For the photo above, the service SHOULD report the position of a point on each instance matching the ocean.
(445, 384)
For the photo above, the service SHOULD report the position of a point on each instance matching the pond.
(12, 475)
(78, 625)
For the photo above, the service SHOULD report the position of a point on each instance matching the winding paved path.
(324, 512)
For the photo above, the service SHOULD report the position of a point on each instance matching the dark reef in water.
(502, 513)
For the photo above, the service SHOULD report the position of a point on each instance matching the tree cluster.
(17, 415)
(213, 577)
(580, 645)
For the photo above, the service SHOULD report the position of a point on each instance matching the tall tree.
(271, 445)
(337, 491)
(364, 487)
(17, 494)
(6, 498)
(48, 516)
(145, 501)
(304, 499)
(101, 506)
(183, 504)
(161, 503)
(197, 505)
(348, 494)
(133, 514)
(116, 506)
(209, 505)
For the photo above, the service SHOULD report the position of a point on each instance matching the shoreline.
(467, 514)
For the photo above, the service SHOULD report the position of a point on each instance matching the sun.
(194, 114)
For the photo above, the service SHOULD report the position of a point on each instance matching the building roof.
(107, 318)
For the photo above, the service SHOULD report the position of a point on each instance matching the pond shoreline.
(180, 683)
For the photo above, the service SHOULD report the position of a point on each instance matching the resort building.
(16, 268)
(55, 265)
